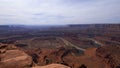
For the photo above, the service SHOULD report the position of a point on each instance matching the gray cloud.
(59, 11)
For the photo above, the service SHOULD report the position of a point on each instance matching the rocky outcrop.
(52, 66)
(110, 54)
(59, 55)
(16, 57)
(11, 57)
(66, 57)
(48, 56)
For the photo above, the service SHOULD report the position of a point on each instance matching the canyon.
(69, 46)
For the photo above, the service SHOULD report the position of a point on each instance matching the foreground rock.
(110, 54)
(11, 57)
(52, 66)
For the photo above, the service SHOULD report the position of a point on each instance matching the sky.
(59, 12)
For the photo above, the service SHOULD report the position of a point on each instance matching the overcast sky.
(55, 12)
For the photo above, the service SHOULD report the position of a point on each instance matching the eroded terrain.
(75, 46)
